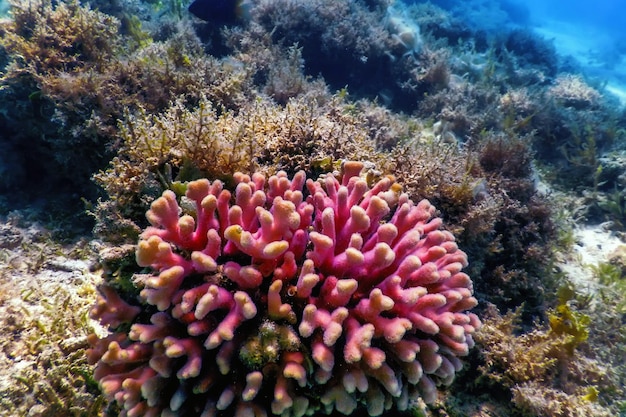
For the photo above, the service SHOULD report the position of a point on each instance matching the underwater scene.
(260, 208)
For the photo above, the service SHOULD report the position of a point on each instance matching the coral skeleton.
(291, 297)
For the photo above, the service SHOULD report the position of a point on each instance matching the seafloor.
(105, 105)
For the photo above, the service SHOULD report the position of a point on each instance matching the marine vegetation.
(181, 145)
(69, 81)
(545, 372)
(46, 292)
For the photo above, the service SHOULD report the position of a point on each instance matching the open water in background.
(592, 32)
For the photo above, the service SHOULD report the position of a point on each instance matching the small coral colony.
(276, 302)
(309, 172)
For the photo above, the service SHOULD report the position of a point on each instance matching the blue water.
(4, 7)
(605, 15)
(590, 32)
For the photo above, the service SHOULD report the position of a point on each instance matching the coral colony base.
(273, 303)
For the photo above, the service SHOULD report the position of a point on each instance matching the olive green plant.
(613, 283)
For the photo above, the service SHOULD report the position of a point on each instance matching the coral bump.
(291, 297)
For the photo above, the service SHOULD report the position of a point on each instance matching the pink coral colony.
(295, 297)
